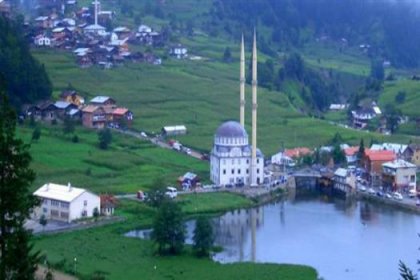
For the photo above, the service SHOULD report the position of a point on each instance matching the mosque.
(233, 161)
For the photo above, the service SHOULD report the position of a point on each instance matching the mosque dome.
(231, 129)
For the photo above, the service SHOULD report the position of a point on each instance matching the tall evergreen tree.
(17, 261)
(361, 151)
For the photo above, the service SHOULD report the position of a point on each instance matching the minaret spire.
(242, 84)
(96, 12)
(254, 113)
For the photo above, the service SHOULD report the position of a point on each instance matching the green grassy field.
(199, 94)
(127, 166)
(105, 249)
(411, 105)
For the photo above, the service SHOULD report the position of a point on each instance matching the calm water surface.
(341, 240)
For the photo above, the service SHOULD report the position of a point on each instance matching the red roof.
(380, 155)
(351, 151)
(120, 111)
(297, 152)
(108, 200)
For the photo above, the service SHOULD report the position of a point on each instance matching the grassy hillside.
(199, 94)
(411, 105)
(127, 166)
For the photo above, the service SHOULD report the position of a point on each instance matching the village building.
(102, 101)
(108, 204)
(412, 154)
(372, 162)
(65, 203)
(188, 180)
(42, 41)
(398, 149)
(122, 116)
(93, 116)
(43, 22)
(179, 51)
(399, 175)
(73, 97)
(63, 108)
(344, 181)
(289, 156)
(174, 130)
(338, 107)
(351, 154)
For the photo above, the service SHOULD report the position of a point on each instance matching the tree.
(169, 228)
(400, 97)
(406, 272)
(361, 151)
(43, 221)
(227, 55)
(36, 134)
(17, 259)
(105, 138)
(338, 155)
(68, 125)
(156, 196)
(203, 236)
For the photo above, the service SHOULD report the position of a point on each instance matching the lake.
(342, 240)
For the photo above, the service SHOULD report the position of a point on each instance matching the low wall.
(390, 202)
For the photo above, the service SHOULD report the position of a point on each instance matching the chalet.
(102, 100)
(399, 175)
(63, 108)
(66, 203)
(72, 96)
(412, 154)
(122, 116)
(93, 116)
(361, 117)
(174, 130)
(42, 41)
(179, 51)
(372, 162)
(32, 111)
(188, 180)
(108, 204)
(48, 111)
(144, 29)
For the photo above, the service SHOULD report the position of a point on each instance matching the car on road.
(143, 134)
(412, 193)
(397, 196)
(171, 192)
(371, 191)
(362, 188)
(388, 195)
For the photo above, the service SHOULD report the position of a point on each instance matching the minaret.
(254, 113)
(242, 84)
(96, 12)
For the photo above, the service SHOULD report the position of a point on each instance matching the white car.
(371, 191)
(397, 195)
(388, 195)
(362, 188)
(412, 193)
(171, 192)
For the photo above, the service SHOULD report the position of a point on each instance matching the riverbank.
(397, 204)
(105, 249)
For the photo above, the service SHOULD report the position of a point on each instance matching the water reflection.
(341, 239)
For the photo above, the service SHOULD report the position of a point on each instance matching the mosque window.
(258, 171)
(233, 161)
(233, 171)
(247, 171)
(224, 171)
(239, 171)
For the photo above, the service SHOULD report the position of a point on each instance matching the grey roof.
(62, 104)
(231, 129)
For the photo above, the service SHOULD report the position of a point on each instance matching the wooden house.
(93, 116)
(102, 101)
(72, 96)
(122, 116)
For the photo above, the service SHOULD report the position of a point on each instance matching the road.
(158, 142)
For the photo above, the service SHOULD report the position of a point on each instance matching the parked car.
(397, 195)
(388, 195)
(362, 188)
(171, 192)
(379, 193)
(371, 191)
(412, 193)
(143, 134)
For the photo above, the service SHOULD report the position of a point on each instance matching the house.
(108, 204)
(48, 111)
(282, 159)
(344, 181)
(399, 175)
(372, 162)
(338, 107)
(122, 116)
(42, 41)
(398, 149)
(102, 101)
(179, 51)
(188, 180)
(43, 22)
(297, 152)
(144, 29)
(63, 108)
(73, 97)
(412, 154)
(351, 154)
(93, 116)
(174, 130)
(361, 117)
(66, 203)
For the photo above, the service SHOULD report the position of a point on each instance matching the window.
(85, 203)
(247, 171)
(233, 161)
(54, 203)
(64, 215)
(239, 171)
(224, 171)
(65, 205)
(45, 201)
(413, 178)
(233, 171)
(258, 171)
(54, 213)
(258, 161)
(247, 161)
(44, 210)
